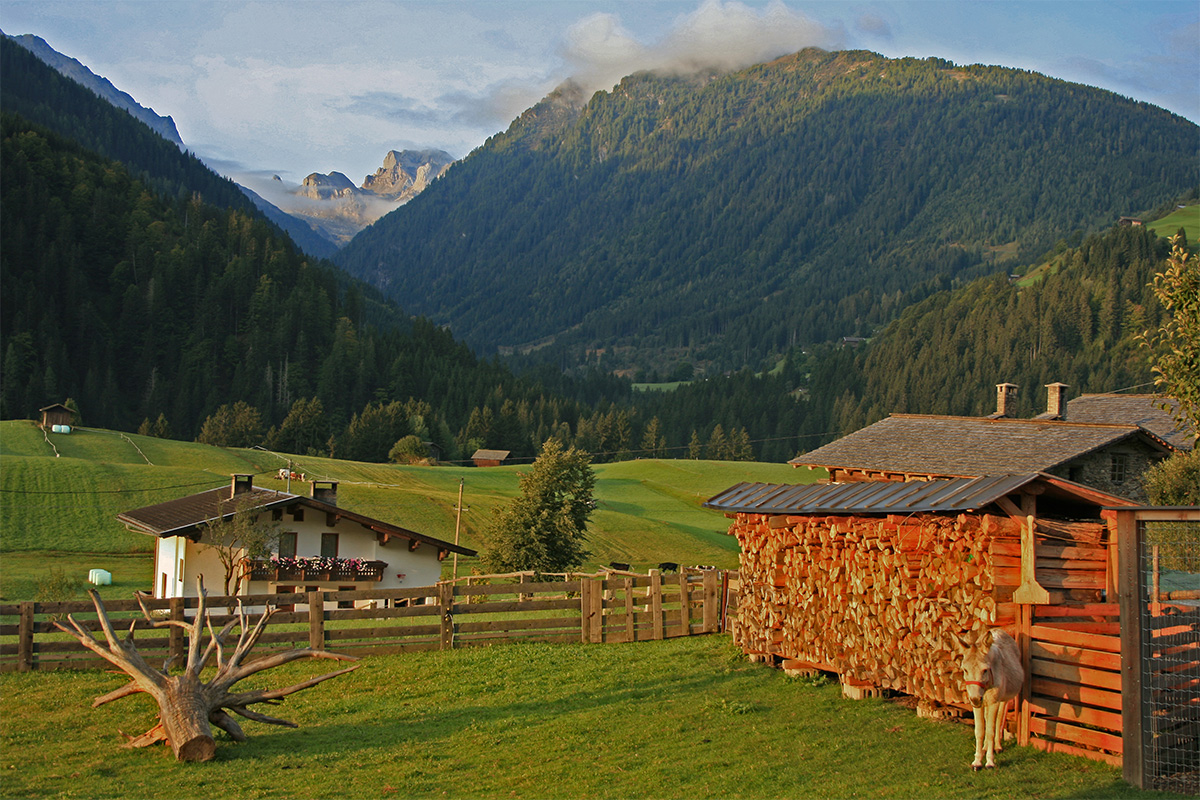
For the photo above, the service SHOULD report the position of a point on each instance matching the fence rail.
(590, 609)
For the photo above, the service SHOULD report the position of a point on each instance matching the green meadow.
(681, 718)
(60, 495)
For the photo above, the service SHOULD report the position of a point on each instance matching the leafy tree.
(304, 430)
(654, 443)
(695, 448)
(1174, 481)
(239, 425)
(1175, 345)
(544, 528)
(409, 450)
(239, 539)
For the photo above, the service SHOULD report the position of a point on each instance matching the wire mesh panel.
(1170, 649)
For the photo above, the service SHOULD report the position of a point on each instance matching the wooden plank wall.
(598, 609)
(1072, 699)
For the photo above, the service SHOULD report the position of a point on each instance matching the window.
(329, 545)
(1075, 474)
(346, 603)
(287, 544)
(1119, 467)
(298, 515)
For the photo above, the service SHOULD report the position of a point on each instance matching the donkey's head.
(977, 675)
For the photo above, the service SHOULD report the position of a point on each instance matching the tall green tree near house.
(239, 539)
(545, 526)
(1175, 346)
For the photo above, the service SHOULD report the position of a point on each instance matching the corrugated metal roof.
(868, 497)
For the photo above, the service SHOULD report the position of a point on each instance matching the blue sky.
(290, 88)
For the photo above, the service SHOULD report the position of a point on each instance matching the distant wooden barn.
(490, 458)
(56, 414)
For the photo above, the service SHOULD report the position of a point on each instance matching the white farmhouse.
(320, 546)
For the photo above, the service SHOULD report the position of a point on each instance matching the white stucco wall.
(405, 568)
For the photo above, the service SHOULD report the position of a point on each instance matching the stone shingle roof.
(968, 446)
(1130, 409)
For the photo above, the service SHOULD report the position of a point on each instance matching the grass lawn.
(683, 718)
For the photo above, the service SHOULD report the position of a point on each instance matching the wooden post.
(585, 610)
(656, 603)
(596, 612)
(316, 620)
(1024, 640)
(712, 606)
(1154, 592)
(25, 638)
(628, 584)
(1131, 593)
(1030, 590)
(685, 611)
(446, 607)
(176, 640)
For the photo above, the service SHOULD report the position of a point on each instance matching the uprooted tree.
(187, 706)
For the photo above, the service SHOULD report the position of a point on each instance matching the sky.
(259, 89)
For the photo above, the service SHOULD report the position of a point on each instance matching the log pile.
(890, 600)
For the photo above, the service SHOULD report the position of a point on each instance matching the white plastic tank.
(100, 577)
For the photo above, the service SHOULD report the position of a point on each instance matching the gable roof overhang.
(947, 495)
(187, 516)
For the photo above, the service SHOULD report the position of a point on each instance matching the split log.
(187, 706)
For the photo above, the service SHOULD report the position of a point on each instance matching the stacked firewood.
(886, 601)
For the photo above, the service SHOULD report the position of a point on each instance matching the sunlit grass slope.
(647, 511)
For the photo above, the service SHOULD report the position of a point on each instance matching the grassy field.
(60, 512)
(1187, 218)
(681, 718)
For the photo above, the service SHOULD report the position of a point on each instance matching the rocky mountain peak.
(405, 173)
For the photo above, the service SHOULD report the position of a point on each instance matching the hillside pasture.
(682, 718)
(647, 512)
(1187, 218)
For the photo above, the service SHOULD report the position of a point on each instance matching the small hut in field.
(56, 414)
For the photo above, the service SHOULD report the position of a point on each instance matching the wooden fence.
(589, 609)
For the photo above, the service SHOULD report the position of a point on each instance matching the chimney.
(241, 485)
(1056, 400)
(1006, 396)
(325, 491)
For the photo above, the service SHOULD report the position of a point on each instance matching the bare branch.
(227, 724)
(264, 696)
(130, 688)
(152, 736)
(257, 717)
(223, 682)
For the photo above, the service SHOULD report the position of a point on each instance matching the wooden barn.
(489, 458)
(56, 414)
(881, 582)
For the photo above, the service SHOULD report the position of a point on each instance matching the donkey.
(993, 676)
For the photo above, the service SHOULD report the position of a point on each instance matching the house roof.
(491, 455)
(950, 495)
(969, 446)
(186, 515)
(1132, 409)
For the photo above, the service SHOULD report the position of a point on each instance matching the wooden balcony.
(342, 571)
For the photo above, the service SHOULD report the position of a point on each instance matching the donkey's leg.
(1001, 725)
(991, 723)
(979, 737)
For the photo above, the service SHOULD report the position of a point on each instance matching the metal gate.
(1160, 610)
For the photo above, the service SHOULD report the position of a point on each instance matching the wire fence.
(1170, 655)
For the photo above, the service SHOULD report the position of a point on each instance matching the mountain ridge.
(724, 218)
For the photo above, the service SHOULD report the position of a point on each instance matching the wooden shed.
(56, 414)
(881, 582)
(489, 458)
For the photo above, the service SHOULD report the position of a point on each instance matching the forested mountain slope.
(724, 218)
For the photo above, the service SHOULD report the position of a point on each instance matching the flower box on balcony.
(303, 570)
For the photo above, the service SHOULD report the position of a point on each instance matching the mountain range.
(720, 219)
(672, 226)
(337, 210)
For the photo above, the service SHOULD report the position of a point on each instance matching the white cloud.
(717, 35)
